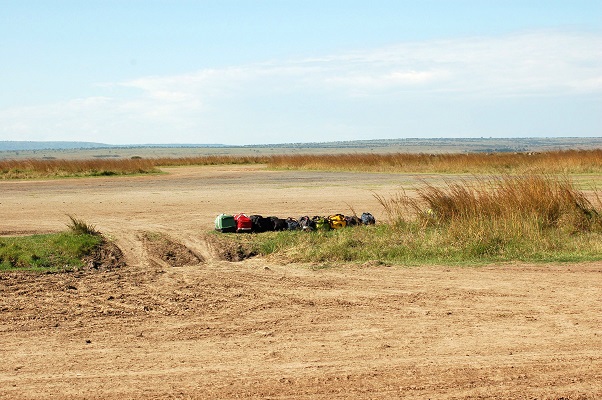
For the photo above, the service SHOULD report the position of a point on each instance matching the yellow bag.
(337, 221)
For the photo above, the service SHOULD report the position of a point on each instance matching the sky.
(278, 71)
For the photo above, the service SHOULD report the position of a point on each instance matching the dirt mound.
(106, 257)
(161, 246)
(229, 250)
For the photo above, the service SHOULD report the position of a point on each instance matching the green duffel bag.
(225, 223)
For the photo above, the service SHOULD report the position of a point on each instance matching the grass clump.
(508, 205)
(529, 218)
(81, 227)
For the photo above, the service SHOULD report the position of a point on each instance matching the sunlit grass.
(51, 252)
(553, 162)
(572, 161)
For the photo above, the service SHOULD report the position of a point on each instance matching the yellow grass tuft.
(507, 203)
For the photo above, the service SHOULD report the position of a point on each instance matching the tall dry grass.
(508, 204)
(555, 162)
(35, 168)
(210, 160)
(530, 217)
(572, 161)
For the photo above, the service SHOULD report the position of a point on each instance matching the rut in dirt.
(166, 249)
(106, 257)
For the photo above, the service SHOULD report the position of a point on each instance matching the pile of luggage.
(256, 223)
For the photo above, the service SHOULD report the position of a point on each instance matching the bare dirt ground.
(193, 326)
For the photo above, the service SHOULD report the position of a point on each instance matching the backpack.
(306, 223)
(279, 224)
(243, 223)
(225, 223)
(368, 219)
(261, 224)
(321, 223)
(337, 221)
(292, 224)
(353, 220)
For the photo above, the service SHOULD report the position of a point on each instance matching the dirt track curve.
(199, 327)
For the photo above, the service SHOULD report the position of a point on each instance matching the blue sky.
(251, 72)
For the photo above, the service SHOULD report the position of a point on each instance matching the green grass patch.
(414, 244)
(49, 253)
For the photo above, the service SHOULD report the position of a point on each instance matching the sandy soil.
(198, 327)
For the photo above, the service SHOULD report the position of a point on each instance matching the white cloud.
(522, 64)
(258, 102)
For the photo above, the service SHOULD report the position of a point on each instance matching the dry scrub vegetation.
(572, 161)
(554, 162)
(37, 168)
(545, 201)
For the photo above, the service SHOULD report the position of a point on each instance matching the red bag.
(243, 223)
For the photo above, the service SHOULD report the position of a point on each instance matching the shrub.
(80, 227)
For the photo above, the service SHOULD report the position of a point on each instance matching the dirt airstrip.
(179, 323)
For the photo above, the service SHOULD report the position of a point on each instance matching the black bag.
(292, 224)
(353, 220)
(368, 219)
(306, 223)
(279, 224)
(261, 224)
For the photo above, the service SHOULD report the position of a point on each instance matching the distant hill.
(6, 145)
(460, 145)
(64, 149)
(27, 145)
